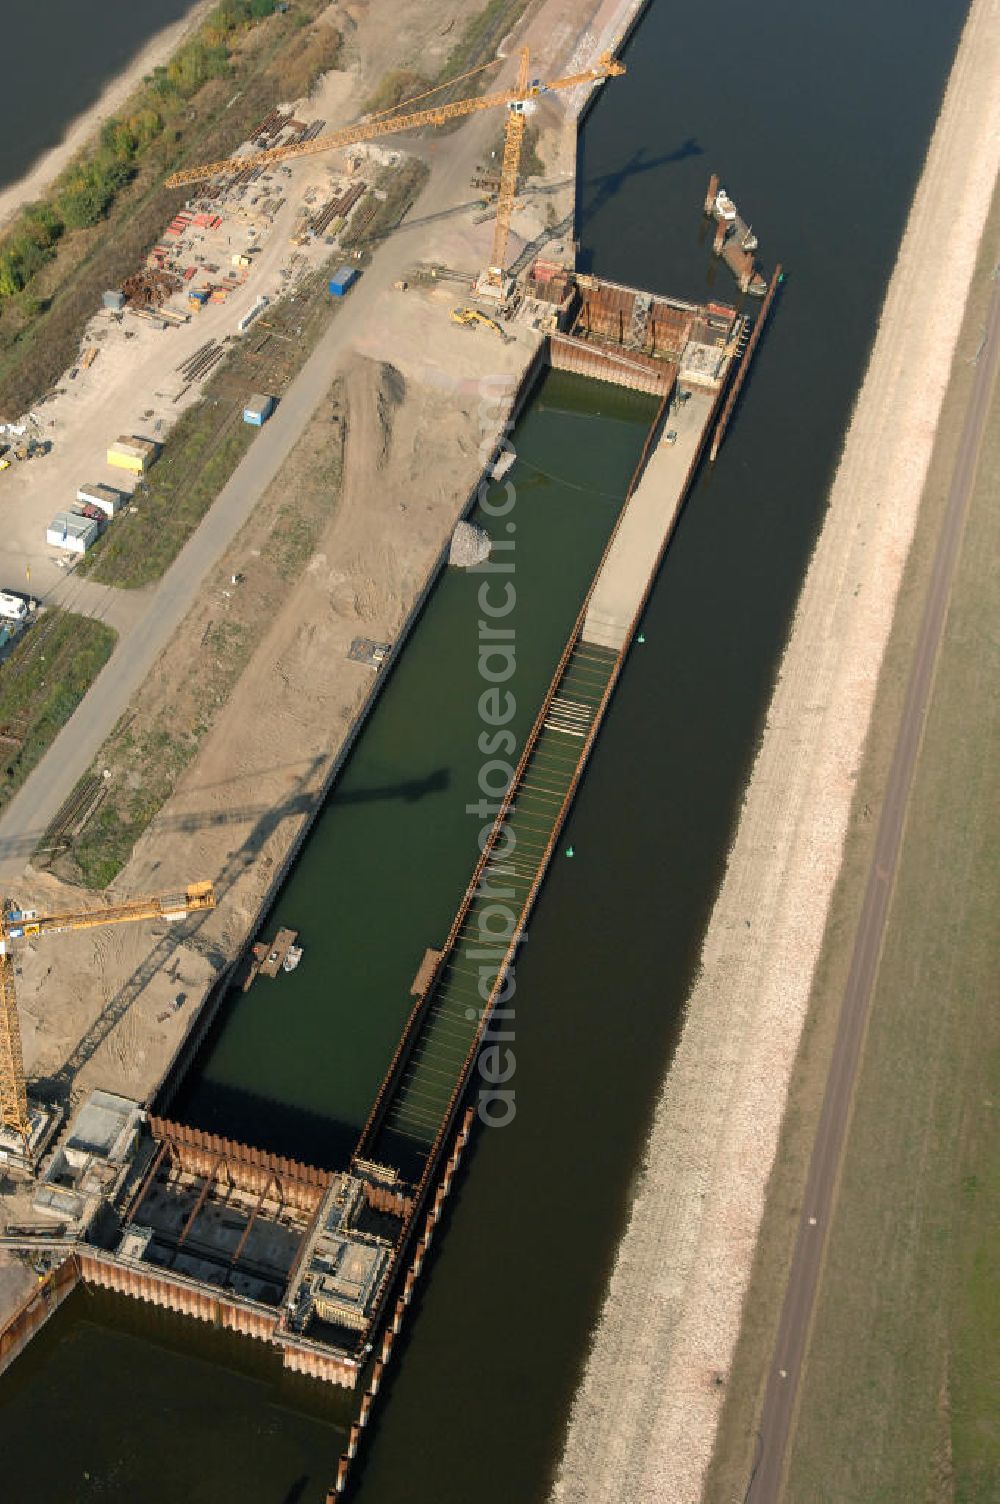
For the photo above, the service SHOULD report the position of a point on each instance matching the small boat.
(292, 958)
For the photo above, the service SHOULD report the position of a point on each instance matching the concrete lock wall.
(172, 1294)
(316, 1365)
(33, 1312)
(582, 359)
(207, 1154)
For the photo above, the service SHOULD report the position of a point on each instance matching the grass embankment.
(198, 459)
(41, 684)
(478, 44)
(481, 37)
(106, 210)
(899, 1399)
(160, 734)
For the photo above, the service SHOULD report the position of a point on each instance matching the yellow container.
(129, 452)
(123, 461)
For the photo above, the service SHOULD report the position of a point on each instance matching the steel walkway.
(431, 1067)
(457, 1014)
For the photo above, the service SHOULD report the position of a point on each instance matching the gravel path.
(644, 1419)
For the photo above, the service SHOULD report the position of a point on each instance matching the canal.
(294, 1065)
(818, 120)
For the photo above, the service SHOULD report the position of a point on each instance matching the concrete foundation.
(648, 521)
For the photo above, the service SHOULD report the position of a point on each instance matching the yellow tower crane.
(17, 924)
(513, 100)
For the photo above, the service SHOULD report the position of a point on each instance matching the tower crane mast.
(17, 924)
(514, 100)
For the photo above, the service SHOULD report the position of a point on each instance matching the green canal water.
(294, 1064)
(818, 119)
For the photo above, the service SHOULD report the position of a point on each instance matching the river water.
(59, 56)
(818, 119)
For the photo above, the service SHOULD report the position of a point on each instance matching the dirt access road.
(452, 159)
(796, 1314)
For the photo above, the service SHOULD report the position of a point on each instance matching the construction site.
(106, 1187)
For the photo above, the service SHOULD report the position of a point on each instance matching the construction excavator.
(26, 924)
(470, 317)
(516, 101)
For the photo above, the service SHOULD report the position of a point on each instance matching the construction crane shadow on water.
(410, 791)
(608, 185)
(297, 1491)
(163, 956)
(301, 800)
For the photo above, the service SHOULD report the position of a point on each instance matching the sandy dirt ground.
(48, 167)
(645, 1416)
(245, 798)
(135, 384)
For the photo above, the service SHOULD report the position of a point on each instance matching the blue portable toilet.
(342, 280)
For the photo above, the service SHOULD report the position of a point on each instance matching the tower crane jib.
(513, 99)
(20, 924)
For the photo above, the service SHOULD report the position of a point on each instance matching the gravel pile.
(470, 545)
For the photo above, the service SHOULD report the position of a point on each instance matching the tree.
(87, 194)
(42, 224)
(10, 274)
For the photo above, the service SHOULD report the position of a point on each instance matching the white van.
(12, 607)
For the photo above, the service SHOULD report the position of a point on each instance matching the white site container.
(107, 498)
(72, 532)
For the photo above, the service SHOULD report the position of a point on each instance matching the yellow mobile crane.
(17, 924)
(513, 100)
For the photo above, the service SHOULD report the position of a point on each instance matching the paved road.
(148, 620)
(796, 1315)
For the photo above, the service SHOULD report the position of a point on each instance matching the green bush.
(124, 139)
(160, 82)
(242, 11)
(85, 197)
(195, 64)
(30, 257)
(10, 273)
(42, 224)
(30, 245)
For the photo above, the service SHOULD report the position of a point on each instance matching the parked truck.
(12, 607)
